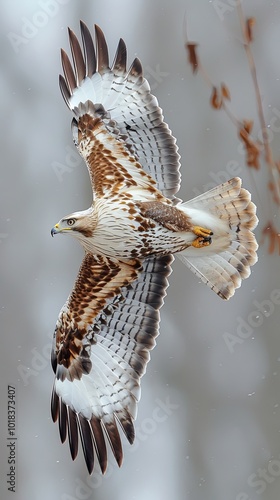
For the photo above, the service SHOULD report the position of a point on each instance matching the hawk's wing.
(103, 337)
(118, 121)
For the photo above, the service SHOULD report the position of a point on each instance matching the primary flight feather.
(108, 325)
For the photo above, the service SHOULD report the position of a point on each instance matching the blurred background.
(208, 425)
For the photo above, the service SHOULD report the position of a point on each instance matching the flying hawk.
(108, 325)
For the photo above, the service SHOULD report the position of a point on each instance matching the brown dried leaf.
(192, 56)
(250, 23)
(216, 99)
(225, 91)
(251, 147)
(273, 188)
(248, 125)
(273, 236)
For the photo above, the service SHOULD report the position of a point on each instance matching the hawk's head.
(79, 224)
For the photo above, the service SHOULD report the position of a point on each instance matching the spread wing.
(101, 348)
(118, 123)
(99, 280)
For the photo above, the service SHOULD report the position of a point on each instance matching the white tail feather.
(228, 211)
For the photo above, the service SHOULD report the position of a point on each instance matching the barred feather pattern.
(126, 97)
(122, 336)
(231, 214)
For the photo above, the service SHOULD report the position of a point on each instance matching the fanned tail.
(229, 212)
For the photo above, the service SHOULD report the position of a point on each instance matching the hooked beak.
(55, 230)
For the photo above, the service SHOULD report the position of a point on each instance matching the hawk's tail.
(228, 211)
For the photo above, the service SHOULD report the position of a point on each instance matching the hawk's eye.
(71, 222)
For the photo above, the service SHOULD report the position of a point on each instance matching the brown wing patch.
(111, 165)
(166, 215)
(99, 279)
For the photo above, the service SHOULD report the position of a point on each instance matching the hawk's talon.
(201, 231)
(203, 237)
(202, 241)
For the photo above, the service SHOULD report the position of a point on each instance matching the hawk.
(109, 323)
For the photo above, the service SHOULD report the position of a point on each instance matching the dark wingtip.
(114, 439)
(102, 50)
(136, 69)
(89, 50)
(87, 442)
(119, 64)
(68, 72)
(78, 58)
(72, 432)
(62, 421)
(54, 405)
(64, 90)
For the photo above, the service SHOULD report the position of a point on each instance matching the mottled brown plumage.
(99, 279)
(111, 168)
(166, 215)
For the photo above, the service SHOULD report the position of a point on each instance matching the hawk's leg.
(203, 237)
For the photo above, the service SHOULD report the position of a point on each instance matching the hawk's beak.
(55, 230)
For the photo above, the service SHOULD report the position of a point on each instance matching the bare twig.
(246, 27)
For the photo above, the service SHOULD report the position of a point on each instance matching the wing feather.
(112, 434)
(89, 50)
(69, 74)
(62, 421)
(85, 430)
(102, 51)
(99, 442)
(72, 432)
(120, 338)
(135, 72)
(54, 405)
(64, 89)
(119, 64)
(127, 101)
(78, 59)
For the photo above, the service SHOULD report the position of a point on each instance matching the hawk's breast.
(122, 232)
